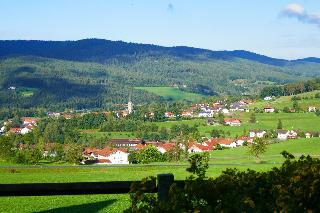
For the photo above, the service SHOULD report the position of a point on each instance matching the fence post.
(164, 183)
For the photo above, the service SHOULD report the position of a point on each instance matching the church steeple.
(130, 105)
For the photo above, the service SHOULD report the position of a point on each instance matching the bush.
(146, 155)
(294, 187)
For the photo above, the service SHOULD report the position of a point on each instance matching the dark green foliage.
(294, 187)
(291, 89)
(146, 155)
(279, 126)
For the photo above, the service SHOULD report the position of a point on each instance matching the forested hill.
(99, 50)
(94, 72)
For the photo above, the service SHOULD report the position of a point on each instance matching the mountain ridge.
(98, 50)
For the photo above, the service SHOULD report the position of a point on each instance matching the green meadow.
(266, 121)
(171, 93)
(219, 161)
(307, 99)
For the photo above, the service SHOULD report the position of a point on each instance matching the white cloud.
(297, 11)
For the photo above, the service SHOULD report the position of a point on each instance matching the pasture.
(173, 94)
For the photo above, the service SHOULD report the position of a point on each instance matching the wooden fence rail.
(161, 186)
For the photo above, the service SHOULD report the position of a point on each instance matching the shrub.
(294, 187)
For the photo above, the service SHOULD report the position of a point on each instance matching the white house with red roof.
(107, 155)
(27, 129)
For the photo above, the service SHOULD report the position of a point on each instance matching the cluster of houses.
(209, 110)
(119, 152)
(27, 125)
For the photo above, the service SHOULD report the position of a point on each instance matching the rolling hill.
(94, 73)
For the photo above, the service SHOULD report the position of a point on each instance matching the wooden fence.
(161, 186)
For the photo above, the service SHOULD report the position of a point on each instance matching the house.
(282, 134)
(106, 155)
(267, 98)
(225, 111)
(292, 134)
(205, 114)
(196, 147)
(312, 109)
(187, 114)
(15, 130)
(257, 133)
(241, 140)
(27, 129)
(3, 129)
(163, 148)
(287, 134)
(268, 109)
(232, 121)
(29, 120)
(169, 115)
(309, 134)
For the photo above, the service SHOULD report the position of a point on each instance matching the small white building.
(257, 133)
(312, 109)
(269, 109)
(267, 98)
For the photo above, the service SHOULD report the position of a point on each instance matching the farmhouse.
(257, 133)
(232, 121)
(267, 98)
(107, 155)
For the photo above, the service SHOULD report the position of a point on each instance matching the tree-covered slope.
(92, 72)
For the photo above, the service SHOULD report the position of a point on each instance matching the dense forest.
(95, 73)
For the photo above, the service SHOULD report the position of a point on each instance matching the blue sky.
(277, 28)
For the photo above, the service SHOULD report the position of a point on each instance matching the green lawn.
(172, 93)
(116, 203)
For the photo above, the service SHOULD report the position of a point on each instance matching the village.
(219, 113)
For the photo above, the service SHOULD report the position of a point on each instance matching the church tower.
(130, 106)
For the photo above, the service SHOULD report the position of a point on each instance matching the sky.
(277, 28)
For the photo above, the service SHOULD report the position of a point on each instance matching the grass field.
(285, 101)
(266, 121)
(237, 158)
(172, 93)
(26, 91)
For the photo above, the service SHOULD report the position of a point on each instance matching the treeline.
(291, 88)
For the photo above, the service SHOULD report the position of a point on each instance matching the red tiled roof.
(232, 120)
(167, 146)
(30, 119)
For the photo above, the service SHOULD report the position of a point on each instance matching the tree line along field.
(219, 160)
(171, 93)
